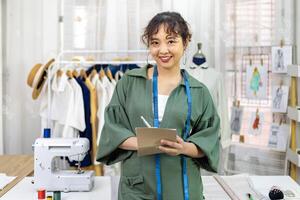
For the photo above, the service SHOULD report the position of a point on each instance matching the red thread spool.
(41, 194)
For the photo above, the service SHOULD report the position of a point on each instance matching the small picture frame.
(256, 123)
(236, 119)
(280, 95)
(281, 58)
(257, 80)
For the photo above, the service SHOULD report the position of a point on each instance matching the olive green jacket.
(132, 98)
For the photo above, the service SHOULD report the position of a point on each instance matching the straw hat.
(33, 73)
(37, 78)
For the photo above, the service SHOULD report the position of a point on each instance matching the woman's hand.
(180, 147)
(173, 148)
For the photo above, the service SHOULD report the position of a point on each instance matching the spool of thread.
(49, 197)
(275, 193)
(56, 195)
(41, 194)
(47, 132)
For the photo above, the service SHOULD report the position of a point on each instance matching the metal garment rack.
(61, 62)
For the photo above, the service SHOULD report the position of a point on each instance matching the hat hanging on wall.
(199, 57)
(37, 78)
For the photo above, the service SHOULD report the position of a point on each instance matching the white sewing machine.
(48, 176)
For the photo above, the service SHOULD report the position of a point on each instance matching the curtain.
(30, 37)
(119, 24)
(1, 67)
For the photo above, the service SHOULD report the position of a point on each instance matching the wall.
(31, 37)
(1, 129)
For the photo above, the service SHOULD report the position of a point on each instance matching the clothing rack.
(83, 64)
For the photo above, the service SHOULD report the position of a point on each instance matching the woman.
(169, 98)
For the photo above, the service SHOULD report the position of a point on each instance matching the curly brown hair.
(173, 22)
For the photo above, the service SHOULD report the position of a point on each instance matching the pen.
(145, 122)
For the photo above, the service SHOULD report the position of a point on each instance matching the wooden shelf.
(293, 157)
(294, 113)
(293, 70)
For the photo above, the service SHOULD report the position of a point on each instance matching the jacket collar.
(142, 72)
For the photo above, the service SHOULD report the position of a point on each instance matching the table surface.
(19, 166)
(106, 187)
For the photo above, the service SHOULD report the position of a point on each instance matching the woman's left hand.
(173, 148)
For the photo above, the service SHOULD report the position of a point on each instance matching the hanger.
(93, 73)
(69, 73)
(282, 43)
(75, 73)
(109, 74)
(82, 74)
(59, 73)
(101, 73)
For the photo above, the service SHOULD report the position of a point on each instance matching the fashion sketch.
(256, 123)
(236, 119)
(256, 81)
(280, 98)
(278, 137)
(273, 135)
(281, 58)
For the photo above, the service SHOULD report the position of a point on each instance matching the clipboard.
(148, 139)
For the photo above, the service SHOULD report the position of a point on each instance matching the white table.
(25, 190)
(106, 188)
(261, 184)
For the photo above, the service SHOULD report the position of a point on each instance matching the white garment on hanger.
(214, 81)
(77, 116)
(109, 88)
(61, 108)
(101, 98)
(67, 109)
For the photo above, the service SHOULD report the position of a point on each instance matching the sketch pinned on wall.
(257, 79)
(281, 58)
(278, 136)
(236, 119)
(280, 95)
(255, 123)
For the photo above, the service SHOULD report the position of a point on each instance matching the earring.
(184, 58)
(148, 58)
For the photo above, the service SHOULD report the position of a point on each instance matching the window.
(250, 29)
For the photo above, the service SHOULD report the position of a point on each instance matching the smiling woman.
(156, 92)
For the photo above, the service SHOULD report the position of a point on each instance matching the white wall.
(1, 129)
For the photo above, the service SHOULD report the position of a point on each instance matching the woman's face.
(166, 49)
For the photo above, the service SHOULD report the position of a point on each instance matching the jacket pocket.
(133, 188)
